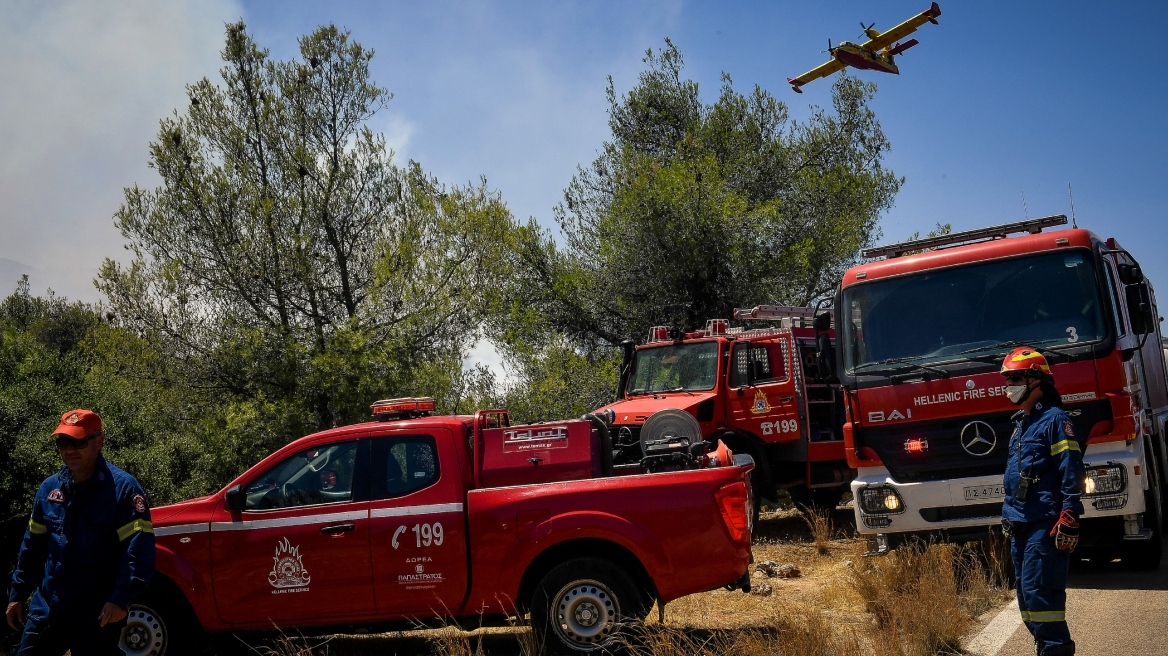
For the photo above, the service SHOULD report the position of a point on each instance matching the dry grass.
(917, 601)
(819, 522)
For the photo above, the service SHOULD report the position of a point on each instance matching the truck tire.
(158, 624)
(585, 606)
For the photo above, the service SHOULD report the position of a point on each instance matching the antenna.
(1025, 212)
(1071, 194)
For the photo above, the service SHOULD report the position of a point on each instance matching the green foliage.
(54, 357)
(557, 381)
(692, 209)
(286, 268)
(286, 272)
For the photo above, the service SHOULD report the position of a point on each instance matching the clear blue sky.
(998, 98)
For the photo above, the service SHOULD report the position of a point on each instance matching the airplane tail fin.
(933, 12)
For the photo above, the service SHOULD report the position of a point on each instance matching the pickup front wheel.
(159, 625)
(583, 606)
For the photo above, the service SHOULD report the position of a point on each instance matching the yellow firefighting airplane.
(876, 54)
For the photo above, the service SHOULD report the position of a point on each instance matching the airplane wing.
(904, 29)
(823, 70)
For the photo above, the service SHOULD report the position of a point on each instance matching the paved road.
(1111, 610)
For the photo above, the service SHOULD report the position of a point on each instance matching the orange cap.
(1025, 359)
(78, 424)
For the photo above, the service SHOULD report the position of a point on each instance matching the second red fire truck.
(770, 392)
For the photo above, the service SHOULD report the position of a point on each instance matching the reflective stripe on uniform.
(1044, 616)
(37, 529)
(134, 527)
(1059, 447)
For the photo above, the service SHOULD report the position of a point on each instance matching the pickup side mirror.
(236, 500)
(1139, 308)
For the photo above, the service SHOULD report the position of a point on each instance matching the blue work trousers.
(78, 633)
(1041, 570)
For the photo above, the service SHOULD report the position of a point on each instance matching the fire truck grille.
(936, 452)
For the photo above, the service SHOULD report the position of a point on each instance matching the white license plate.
(978, 492)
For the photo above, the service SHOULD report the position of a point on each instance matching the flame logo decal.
(287, 568)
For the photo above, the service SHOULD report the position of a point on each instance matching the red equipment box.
(540, 453)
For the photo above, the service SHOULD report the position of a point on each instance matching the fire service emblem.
(288, 569)
(978, 439)
(761, 406)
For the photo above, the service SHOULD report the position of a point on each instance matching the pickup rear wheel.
(584, 606)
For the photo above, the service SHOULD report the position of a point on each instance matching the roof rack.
(789, 316)
(1032, 226)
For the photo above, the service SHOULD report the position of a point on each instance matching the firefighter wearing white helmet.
(1042, 505)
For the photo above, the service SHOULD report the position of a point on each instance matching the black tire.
(159, 624)
(1146, 554)
(586, 606)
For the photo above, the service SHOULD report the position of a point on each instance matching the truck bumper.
(961, 509)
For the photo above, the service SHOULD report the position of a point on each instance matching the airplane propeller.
(864, 34)
(829, 48)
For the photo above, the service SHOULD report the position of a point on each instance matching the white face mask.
(1016, 393)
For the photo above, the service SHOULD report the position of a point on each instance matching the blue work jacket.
(86, 544)
(1043, 447)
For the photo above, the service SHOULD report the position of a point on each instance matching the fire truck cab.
(768, 392)
(923, 328)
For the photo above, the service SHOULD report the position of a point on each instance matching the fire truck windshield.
(972, 311)
(674, 368)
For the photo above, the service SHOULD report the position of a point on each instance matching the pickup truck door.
(300, 548)
(417, 523)
(767, 405)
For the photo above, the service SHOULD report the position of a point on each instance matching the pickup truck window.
(403, 465)
(318, 475)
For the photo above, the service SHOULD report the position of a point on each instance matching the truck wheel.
(1146, 554)
(159, 626)
(584, 606)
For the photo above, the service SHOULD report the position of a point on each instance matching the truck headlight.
(1106, 479)
(880, 500)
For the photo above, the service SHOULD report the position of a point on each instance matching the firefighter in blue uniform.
(87, 553)
(1042, 505)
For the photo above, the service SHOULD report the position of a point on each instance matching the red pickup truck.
(417, 516)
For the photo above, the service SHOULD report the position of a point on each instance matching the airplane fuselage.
(857, 57)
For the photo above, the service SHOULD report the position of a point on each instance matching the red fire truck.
(418, 516)
(923, 327)
(768, 392)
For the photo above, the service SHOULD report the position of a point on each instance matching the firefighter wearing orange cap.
(1042, 505)
(87, 553)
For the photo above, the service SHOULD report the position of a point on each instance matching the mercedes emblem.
(978, 439)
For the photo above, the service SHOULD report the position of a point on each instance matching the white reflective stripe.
(179, 529)
(408, 511)
(253, 524)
